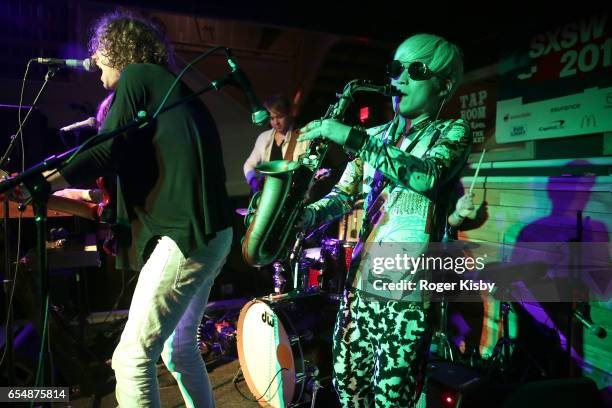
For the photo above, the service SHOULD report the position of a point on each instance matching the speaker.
(25, 350)
(452, 385)
(579, 392)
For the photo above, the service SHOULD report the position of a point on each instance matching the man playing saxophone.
(406, 168)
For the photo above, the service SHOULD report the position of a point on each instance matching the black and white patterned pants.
(379, 352)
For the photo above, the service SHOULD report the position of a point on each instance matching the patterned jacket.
(417, 179)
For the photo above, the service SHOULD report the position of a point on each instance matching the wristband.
(355, 140)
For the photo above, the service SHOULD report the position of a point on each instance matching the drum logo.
(267, 318)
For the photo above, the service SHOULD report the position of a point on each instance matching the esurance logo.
(554, 125)
(564, 108)
(508, 117)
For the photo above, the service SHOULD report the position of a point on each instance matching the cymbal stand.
(294, 260)
(500, 358)
(445, 349)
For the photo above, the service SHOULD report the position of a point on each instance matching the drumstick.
(477, 170)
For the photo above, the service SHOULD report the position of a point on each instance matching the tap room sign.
(559, 85)
(474, 102)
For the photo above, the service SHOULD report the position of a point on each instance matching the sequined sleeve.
(340, 200)
(446, 157)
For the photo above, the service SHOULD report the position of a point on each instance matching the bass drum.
(283, 344)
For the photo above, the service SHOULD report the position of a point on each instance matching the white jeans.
(167, 307)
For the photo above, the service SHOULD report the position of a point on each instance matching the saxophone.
(273, 212)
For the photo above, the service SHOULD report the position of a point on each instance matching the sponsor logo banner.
(558, 83)
(577, 114)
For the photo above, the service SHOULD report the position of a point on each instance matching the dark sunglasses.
(417, 70)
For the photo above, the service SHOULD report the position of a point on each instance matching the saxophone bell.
(271, 222)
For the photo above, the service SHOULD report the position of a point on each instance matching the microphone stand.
(40, 190)
(7, 284)
(9, 278)
(575, 260)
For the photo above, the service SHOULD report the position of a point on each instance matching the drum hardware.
(500, 358)
(502, 349)
(310, 270)
(301, 377)
(278, 279)
(316, 385)
(312, 369)
(306, 336)
(323, 269)
(216, 338)
(294, 258)
(445, 349)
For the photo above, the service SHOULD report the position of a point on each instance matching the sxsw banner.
(558, 85)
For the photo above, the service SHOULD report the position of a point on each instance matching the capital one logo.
(588, 121)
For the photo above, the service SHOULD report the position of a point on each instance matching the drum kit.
(284, 340)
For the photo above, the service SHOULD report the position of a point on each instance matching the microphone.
(87, 123)
(259, 115)
(592, 327)
(87, 64)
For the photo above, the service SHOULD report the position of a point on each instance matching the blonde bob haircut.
(440, 55)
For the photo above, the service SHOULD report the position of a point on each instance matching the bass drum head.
(265, 355)
(283, 344)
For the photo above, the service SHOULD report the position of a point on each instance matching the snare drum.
(336, 257)
(283, 344)
(311, 272)
(325, 268)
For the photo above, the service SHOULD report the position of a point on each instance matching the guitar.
(57, 206)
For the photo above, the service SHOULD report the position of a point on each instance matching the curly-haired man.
(173, 211)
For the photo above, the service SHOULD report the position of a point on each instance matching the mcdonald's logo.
(588, 121)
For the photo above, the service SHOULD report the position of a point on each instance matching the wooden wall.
(517, 209)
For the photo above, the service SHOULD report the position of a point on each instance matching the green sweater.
(171, 173)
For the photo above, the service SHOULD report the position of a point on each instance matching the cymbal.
(242, 211)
